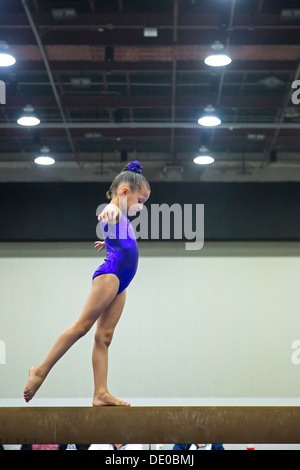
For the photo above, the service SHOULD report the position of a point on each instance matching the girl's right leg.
(106, 326)
(104, 290)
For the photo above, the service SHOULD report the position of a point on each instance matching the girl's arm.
(99, 245)
(110, 213)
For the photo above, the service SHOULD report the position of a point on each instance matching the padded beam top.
(149, 425)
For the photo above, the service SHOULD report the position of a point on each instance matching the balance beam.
(149, 425)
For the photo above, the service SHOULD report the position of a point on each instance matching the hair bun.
(134, 166)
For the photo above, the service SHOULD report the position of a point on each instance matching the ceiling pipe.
(153, 125)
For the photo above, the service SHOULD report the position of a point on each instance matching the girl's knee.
(104, 337)
(82, 328)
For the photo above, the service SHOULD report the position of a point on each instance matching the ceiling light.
(93, 135)
(292, 112)
(44, 157)
(81, 82)
(272, 82)
(204, 158)
(209, 119)
(217, 58)
(28, 117)
(290, 14)
(257, 137)
(150, 32)
(62, 14)
(6, 59)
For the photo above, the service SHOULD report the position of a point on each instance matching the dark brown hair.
(131, 174)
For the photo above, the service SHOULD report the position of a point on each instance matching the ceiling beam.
(153, 125)
(144, 54)
(86, 101)
(159, 67)
(121, 20)
(143, 133)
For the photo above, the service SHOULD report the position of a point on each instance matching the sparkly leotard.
(122, 252)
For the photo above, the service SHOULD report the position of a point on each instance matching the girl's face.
(134, 200)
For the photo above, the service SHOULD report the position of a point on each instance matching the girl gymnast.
(127, 194)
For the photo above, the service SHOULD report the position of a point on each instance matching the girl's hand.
(100, 244)
(110, 212)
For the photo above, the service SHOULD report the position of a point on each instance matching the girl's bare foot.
(36, 378)
(107, 399)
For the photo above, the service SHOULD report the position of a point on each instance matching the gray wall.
(219, 322)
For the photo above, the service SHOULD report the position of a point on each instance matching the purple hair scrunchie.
(134, 166)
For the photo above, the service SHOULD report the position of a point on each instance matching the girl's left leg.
(106, 325)
(103, 291)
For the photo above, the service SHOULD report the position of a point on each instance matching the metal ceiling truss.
(96, 73)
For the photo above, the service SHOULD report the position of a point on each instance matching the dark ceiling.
(105, 93)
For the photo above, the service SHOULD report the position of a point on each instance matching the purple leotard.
(122, 252)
